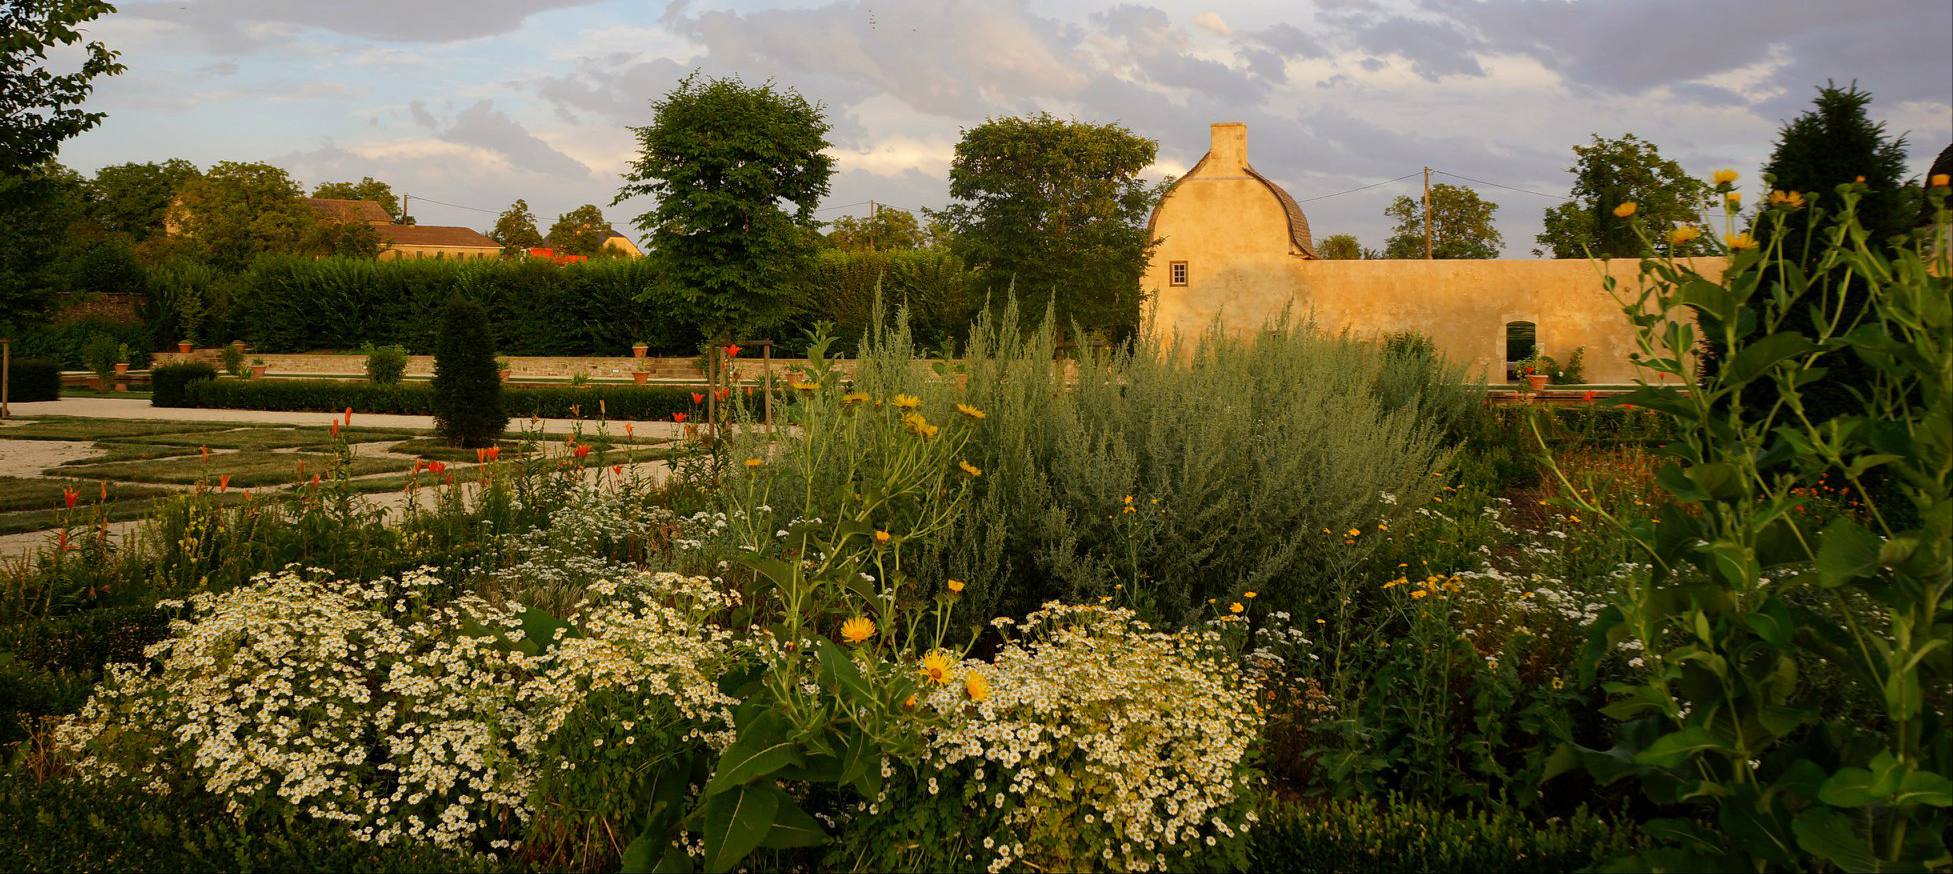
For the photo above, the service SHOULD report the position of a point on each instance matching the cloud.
(483, 126)
(1212, 23)
(243, 26)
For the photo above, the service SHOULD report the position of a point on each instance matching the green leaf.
(1846, 551)
(1826, 834)
(793, 827)
(1772, 623)
(642, 856)
(737, 822)
(1674, 748)
(763, 747)
(1754, 359)
(1848, 787)
(1924, 787)
(539, 628)
(675, 861)
(843, 671)
(862, 757)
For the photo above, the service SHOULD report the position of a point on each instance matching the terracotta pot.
(641, 376)
(99, 384)
(183, 348)
(121, 386)
(638, 350)
(257, 371)
(1536, 382)
(122, 368)
(504, 374)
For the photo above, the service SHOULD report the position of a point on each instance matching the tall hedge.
(602, 307)
(467, 385)
(627, 402)
(33, 379)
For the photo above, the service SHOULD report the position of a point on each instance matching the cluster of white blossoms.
(1109, 744)
(366, 703)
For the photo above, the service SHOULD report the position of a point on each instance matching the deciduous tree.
(133, 199)
(1608, 173)
(580, 231)
(1342, 247)
(238, 211)
(1461, 225)
(1056, 210)
(888, 230)
(516, 229)
(736, 172)
(39, 108)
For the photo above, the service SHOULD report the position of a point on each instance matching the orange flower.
(881, 536)
(349, 417)
(494, 452)
(726, 393)
(436, 468)
(732, 350)
(698, 397)
(580, 451)
(616, 470)
(315, 481)
(224, 482)
(1625, 209)
(71, 495)
(1941, 180)
(955, 586)
(680, 417)
(629, 429)
(481, 456)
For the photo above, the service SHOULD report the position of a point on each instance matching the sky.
(467, 105)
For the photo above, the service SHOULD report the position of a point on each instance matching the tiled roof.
(435, 235)
(350, 210)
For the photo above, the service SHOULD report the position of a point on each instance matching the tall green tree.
(1056, 210)
(38, 209)
(888, 230)
(367, 188)
(134, 199)
(39, 108)
(1461, 225)
(1342, 247)
(580, 231)
(516, 229)
(736, 172)
(237, 211)
(1834, 143)
(1608, 173)
(467, 386)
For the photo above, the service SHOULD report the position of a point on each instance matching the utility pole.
(1427, 213)
(871, 226)
(406, 200)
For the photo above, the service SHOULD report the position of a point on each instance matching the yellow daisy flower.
(858, 629)
(937, 668)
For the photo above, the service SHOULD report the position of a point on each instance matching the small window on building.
(1520, 341)
(1176, 273)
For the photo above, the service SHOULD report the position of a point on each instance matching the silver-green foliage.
(1246, 462)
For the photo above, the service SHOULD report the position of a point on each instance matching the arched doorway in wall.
(1521, 340)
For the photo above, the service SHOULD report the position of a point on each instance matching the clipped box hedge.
(169, 382)
(1398, 834)
(33, 379)
(644, 403)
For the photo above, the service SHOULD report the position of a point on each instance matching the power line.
(455, 205)
(1497, 185)
(843, 206)
(1364, 188)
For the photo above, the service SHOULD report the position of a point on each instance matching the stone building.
(1237, 249)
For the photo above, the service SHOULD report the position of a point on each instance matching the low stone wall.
(683, 370)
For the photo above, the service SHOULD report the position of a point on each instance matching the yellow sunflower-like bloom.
(1740, 242)
(976, 686)
(754, 462)
(1725, 177)
(1683, 234)
(937, 668)
(906, 402)
(858, 629)
(970, 469)
(881, 536)
(1625, 209)
(955, 586)
(1941, 180)
(858, 397)
(1235, 607)
(970, 411)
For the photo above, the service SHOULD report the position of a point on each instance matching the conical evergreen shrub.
(467, 390)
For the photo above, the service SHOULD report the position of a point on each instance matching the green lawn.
(246, 469)
(261, 438)
(76, 428)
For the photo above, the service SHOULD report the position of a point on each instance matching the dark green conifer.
(467, 389)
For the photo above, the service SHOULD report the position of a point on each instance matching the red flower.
(224, 482)
(698, 397)
(617, 470)
(1588, 396)
(580, 451)
(335, 427)
(71, 495)
(104, 490)
(315, 481)
(494, 452)
(349, 417)
(436, 468)
(418, 464)
(680, 417)
(732, 350)
(724, 393)
(629, 429)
